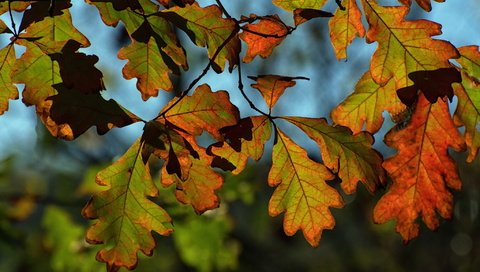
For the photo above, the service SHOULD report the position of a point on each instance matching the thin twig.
(219, 3)
(11, 18)
(339, 3)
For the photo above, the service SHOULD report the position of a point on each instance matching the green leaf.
(126, 217)
(300, 4)
(8, 89)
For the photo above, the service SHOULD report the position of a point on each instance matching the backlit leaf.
(206, 28)
(303, 4)
(7, 89)
(242, 141)
(271, 87)
(204, 110)
(364, 107)
(351, 156)
(259, 45)
(199, 189)
(470, 60)
(422, 171)
(403, 46)
(345, 26)
(425, 4)
(301, 192)
(126, 217)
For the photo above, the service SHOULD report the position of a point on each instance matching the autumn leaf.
(207, 28)
(351, 156)
(301, 192)
(38, 72)
(8, 89)
(242, 141)
(468, 113)
(262, 37)
(344, 27)
(272, 87)
(470, 60)
(51, 34)
(422, 171)
(199, 189)
(125, 216)
(303, 4)
(18, 6)
(69, 113)
(203, 111)
(301, 16)
(364, 107)
(425, 4)
(403, 46)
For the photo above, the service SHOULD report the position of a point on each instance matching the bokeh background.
(45, 182)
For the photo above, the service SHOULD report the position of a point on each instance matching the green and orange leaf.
(403, 46)
(125, 216)
(7, 88)
(207, 28)
(242, 141)
(300, 4)
(203, 111)
(364, 107)
(470, 60)
(262, 37)
(344, 27)
(351, 156)
(301, 191)
(422, 172)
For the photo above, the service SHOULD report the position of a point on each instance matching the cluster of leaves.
(411, 76)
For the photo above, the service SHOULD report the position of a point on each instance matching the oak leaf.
(351, 156)
(203, 111)
(300, 4)
(242, 141)
(262, 37)
(207, 28)
(403, 46)
(301, 191)
(272, 87)
(470, 60)
(425, 4)
(125, 216)
(344, 27)
(7, 87)
(422, 171)
(364, 107)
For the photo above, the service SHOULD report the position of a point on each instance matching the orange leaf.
(421, 171)
(199, 189)
(273, 31)
(271, 87)
(204, 110)
(301, 192)
(244, 140)
(403, 46)
(425, 4)
(344, 27)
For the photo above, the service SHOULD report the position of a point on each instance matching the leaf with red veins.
(261, 38)
(242, 141)
(344, 27)
(203, 111)
(403, 46)
(301, 191)
(125, 216)
(422, 172)
(351, 156)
